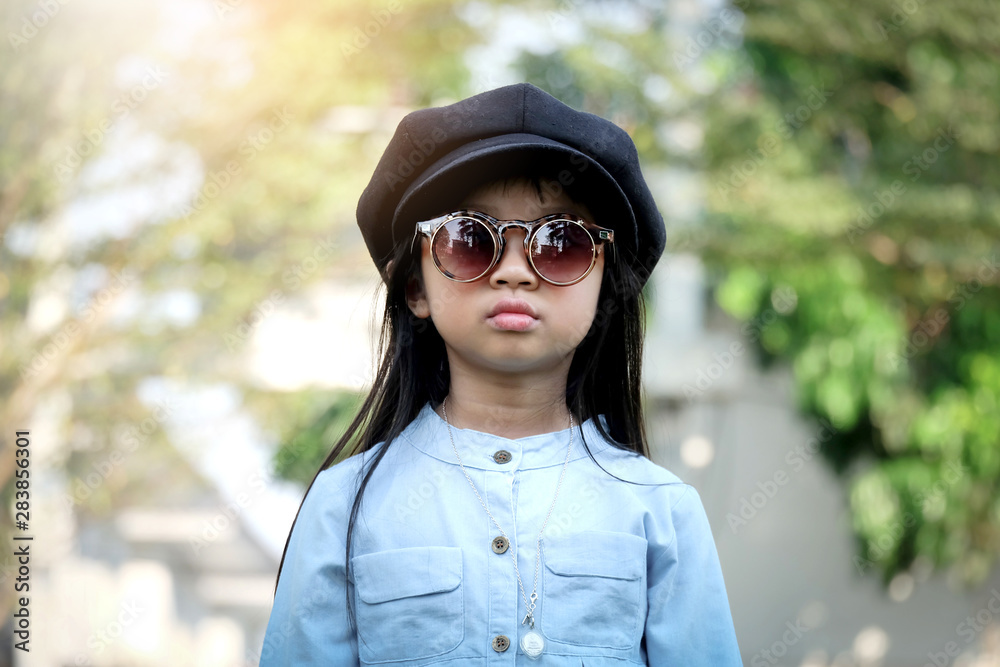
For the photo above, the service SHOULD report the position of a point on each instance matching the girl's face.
(461, 311)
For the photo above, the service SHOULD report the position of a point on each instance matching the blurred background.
(189, 311)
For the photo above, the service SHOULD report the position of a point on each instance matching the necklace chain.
(530, 606)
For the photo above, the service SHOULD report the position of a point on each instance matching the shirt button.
(502, 456)
(500, 544)
(501, 643)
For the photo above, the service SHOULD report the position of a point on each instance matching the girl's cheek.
(440, 301)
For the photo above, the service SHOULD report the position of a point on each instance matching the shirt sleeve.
(689, 621)
(308, 623)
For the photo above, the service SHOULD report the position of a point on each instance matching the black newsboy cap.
(440, 153)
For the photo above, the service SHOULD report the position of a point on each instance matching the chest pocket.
(409, 603)
(594, 589)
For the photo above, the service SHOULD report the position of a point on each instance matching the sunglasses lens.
(562, 251)
(464, 248)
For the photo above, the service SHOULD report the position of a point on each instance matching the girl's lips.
(512, 321)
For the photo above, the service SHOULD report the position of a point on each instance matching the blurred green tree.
(852, 152)
(850, 223)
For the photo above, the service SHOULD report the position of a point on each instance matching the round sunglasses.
(562, 248)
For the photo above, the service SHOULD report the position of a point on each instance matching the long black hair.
(604, 376)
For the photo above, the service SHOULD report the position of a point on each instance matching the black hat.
(440, 153)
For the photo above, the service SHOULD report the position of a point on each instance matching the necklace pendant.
(532, 644)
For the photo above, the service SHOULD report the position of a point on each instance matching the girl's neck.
(511, 421)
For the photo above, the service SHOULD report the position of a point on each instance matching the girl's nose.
(513, 265)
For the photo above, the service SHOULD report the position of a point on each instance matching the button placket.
(503, 587)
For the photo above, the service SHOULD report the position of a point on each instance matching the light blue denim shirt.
(629, 574)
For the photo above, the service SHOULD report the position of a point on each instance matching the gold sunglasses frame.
(598, 237)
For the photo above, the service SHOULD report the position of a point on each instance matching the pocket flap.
(596, 554)
(401, 573)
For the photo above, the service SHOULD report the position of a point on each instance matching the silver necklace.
(531, 643)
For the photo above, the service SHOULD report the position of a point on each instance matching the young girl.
(499, 506)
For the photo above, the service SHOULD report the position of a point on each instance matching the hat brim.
(443, 183)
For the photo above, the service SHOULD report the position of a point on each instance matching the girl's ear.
(386, 271)
(416, 296)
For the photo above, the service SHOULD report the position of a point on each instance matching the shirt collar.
(428, 432)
